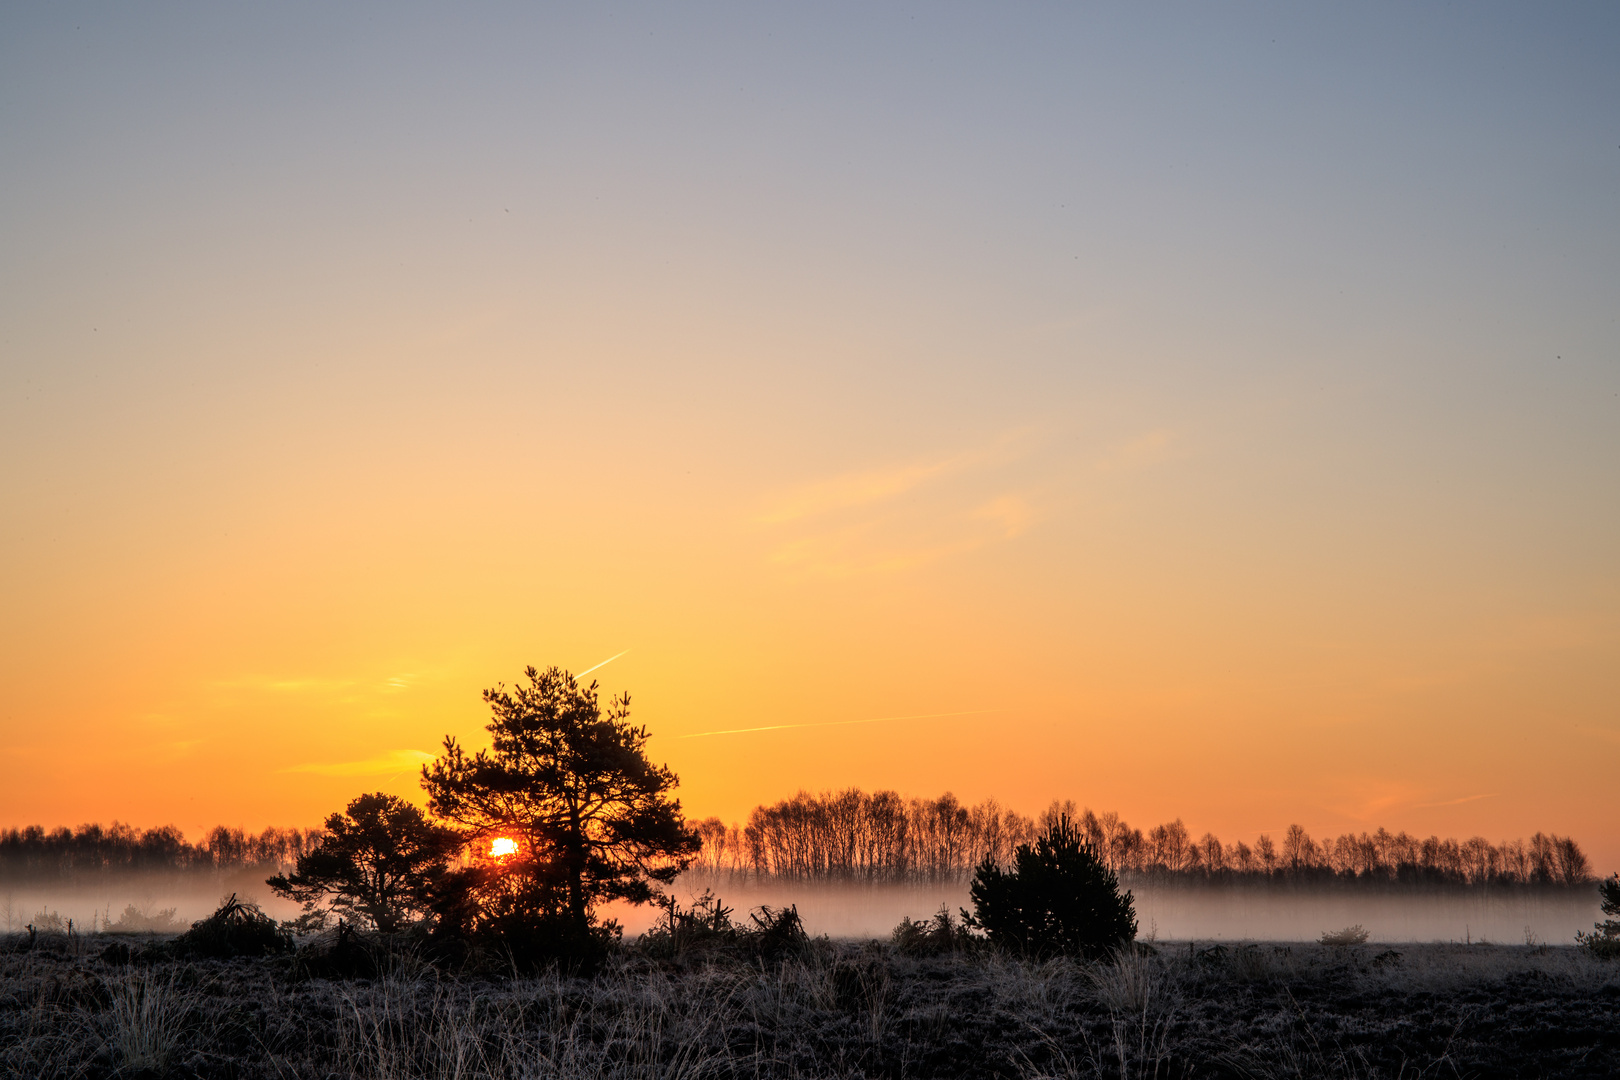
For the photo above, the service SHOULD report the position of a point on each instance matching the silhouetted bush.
(135, 921)
(933, 937)
(1605, 936)
(346, 953)
(237, 928)
(48, 922)
(777, 932)
(1058, 899)
(482, 914)
(704, 927)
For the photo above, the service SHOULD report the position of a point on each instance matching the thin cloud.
(871, 486)
(1459, 802)
(396, 761)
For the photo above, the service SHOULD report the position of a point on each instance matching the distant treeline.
(34, 855)
(883, 837)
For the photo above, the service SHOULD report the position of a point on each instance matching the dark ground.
(831, 1010)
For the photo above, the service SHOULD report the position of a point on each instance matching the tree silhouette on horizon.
(569, 782)
(378, 862)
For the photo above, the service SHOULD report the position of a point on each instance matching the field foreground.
(832, 1009)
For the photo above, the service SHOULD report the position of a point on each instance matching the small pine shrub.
(1604, 940)
(1058, 899)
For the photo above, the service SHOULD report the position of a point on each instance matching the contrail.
(1454, 802)
(835, 723)
(603, 664)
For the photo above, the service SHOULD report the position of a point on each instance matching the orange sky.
(1242, 449)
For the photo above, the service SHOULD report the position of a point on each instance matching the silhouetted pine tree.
(590, 818)
(1058, 899)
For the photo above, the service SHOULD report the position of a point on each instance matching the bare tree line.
(881, 837)
(884, 837)
(35, 854)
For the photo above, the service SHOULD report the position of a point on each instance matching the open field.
(833, 1009)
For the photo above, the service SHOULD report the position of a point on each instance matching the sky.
(1195, 410)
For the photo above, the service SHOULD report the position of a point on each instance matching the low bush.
(933, 937)
(1058, 899)
(705, 926)
(237, 928)
(1604, 940)
(1350, 935)
(135, 921)
(777, 932)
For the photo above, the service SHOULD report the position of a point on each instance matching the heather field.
(98, 1007)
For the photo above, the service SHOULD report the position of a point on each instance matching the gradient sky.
(1216, 406)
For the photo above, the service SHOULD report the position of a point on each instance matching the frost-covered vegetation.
(698, 1004)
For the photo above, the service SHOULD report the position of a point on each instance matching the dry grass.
(830, 1010)
(145, 1018)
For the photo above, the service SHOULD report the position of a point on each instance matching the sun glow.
(502, 847)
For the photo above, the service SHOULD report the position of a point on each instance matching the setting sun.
(502, 847)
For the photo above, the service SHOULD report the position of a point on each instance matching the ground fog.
(1185, 913)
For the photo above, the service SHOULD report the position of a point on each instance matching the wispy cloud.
(847, 552)
(396, 761)
(283, 684)
(868, 487)
(1458, 802)
(898, 517)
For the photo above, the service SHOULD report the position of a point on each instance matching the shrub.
(237, 928)
(135, 921)
(48, 922)
(1058, 899)
(932, 937)
(1605, 936)
(704, 926)
(1350, 935)
(777, 932)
